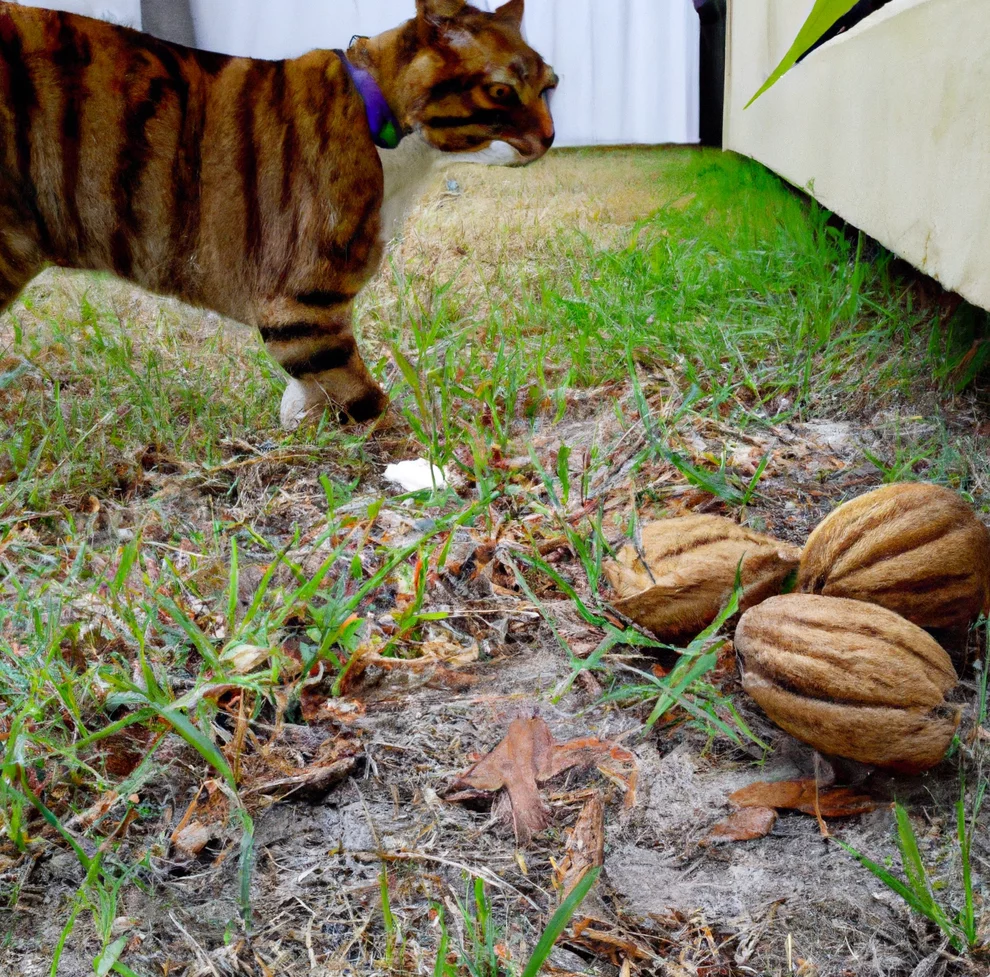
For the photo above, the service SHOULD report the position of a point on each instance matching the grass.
(542, 333)
(481, 952)
(948, 899)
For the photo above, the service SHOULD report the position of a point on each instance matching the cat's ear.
(512, 12)
(437, 10)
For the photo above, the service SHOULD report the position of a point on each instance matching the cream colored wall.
(887, 125)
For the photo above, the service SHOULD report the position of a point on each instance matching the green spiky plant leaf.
(559, 921)
(821, 18)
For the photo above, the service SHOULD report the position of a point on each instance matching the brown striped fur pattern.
(249, 187)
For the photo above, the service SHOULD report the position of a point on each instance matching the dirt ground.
(393, 744)
(668, 903)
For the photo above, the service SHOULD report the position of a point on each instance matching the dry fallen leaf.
(317, 708)
(367, 670)
(243, 659)
(612, 943)
(518, 764)
(585, 847)
(745, 825)
(302, 761)
(203, 820)
(805, 796)
(527, 757)
(193, 838)
(85, 820)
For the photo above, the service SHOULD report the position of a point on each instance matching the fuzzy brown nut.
(916, 549)
(690, 571)
(850, 679)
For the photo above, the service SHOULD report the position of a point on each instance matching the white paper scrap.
(414, 476)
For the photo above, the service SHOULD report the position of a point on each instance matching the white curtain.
(628, 68)
(126, 12)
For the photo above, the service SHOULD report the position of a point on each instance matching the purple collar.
(385, 129)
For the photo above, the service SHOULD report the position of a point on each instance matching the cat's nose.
(548, 140)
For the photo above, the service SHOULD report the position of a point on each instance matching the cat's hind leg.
(324, 366)
(19, 263)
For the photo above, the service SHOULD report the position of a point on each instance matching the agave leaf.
(821, 18)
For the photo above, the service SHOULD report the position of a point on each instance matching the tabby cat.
(264, 190)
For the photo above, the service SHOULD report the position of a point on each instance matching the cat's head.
(468, 83)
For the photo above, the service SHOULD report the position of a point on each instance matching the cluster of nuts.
(844, 663)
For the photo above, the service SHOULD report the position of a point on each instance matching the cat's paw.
(300, 401)
(305, 401)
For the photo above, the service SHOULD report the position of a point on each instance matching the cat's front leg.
(325, 370)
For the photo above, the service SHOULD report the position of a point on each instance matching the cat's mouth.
(531, 148)
(507, 151)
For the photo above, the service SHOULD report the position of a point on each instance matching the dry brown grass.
(500, 223)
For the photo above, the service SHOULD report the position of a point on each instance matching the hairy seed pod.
(690, 570)
(850, 679)
(916, 549)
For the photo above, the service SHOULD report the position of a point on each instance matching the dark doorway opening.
(713, 16)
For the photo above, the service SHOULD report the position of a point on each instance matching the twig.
(201, 954)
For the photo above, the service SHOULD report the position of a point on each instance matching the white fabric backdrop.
(628, 68)
(127, 12)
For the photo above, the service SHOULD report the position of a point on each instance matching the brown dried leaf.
(317, 708)
(304, 761)
(85, 820)
(312, 781)
(193, 838)
(745, 825)
(805, 796)
(585, 846)
(613, 944)
(614, 762)
(517, 764)
(528, 756)
(368, 671)
(209, 807)
(244, 659)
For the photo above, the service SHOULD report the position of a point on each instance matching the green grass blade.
(107, 960)
(232, 591)
(201, 743)
(263, 585)
(39, 805)
(914, 867)
(387, 917)
(538, 563)
(968, 915)
(891, 881)
(441, 967)
(195, 634)
(124, 970)
(673, 687)
(559, 922)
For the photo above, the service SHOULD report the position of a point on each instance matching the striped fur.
(249, 187)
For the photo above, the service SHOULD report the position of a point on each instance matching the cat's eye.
(501, 93)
